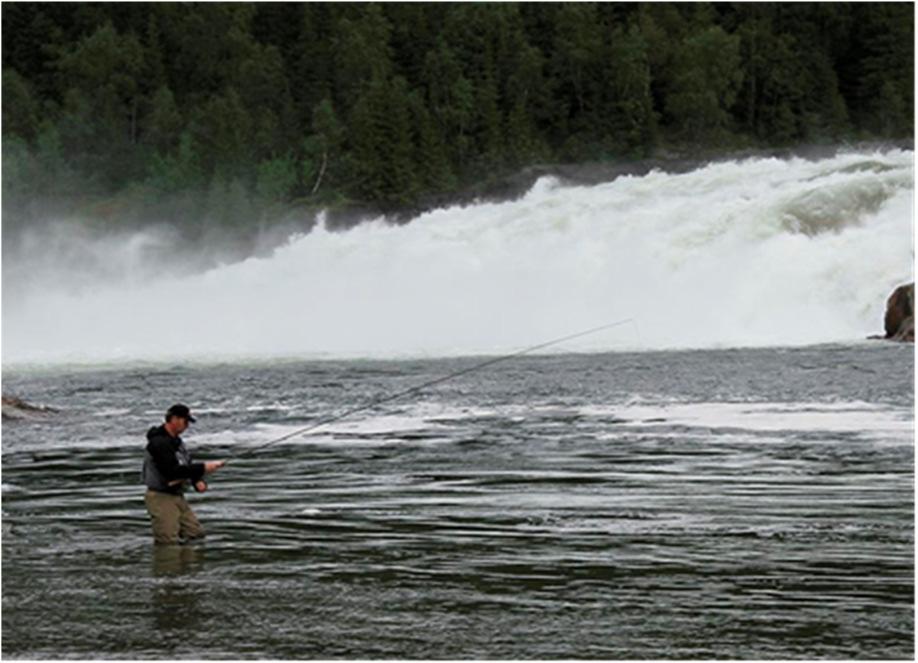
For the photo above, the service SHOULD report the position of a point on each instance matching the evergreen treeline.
(222, 112)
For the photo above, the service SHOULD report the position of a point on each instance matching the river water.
(746, 503)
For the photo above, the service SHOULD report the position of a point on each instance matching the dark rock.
(906, 331)
(900, 314)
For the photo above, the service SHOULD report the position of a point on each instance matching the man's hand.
(200, 486)
(213, 465)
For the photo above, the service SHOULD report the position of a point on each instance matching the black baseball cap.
(179, 410)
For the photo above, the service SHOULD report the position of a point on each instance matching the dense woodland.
(226, 115)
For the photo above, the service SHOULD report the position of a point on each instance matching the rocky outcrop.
(900, 314)
(16, 408)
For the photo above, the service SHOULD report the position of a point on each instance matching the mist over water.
(754, 253)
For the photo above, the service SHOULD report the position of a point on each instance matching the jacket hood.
(158, 431)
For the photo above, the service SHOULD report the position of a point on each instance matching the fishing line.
(385, 399)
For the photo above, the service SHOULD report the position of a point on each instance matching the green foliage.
(222, 128)
(322, 150)
(18, 172)
(105, 63)
(450, 97)
(99, 119)
(433, 166)
(276, 179)
(229, 205)
(885, 74)
(576, 59)
(888, 115)
(20, 112)
(488, 135)
(631, 123)
(163, 124)
(176, 170)
(361, 54)
(255, 105)
(34, 172)
(381, 144)
(705, 80)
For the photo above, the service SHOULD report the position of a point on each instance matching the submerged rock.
(16, 408)
(900, 314)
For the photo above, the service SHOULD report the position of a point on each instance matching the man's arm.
(163, 454)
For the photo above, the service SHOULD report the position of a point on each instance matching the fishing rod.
(385, 399)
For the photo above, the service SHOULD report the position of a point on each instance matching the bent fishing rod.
(385, 399)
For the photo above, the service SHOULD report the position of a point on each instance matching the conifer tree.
(705, 82)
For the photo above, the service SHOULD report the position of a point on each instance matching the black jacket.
(167, 459)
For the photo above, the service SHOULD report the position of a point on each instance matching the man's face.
(178, 425)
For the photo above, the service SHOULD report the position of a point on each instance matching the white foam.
(840, 417)
(365, 429)
(438, 422)
(112, 412)
(760, 252)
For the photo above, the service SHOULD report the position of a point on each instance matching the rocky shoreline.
(16, 408)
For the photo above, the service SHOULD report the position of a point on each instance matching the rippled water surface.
(734, 503)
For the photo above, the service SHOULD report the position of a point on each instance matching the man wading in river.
(167, 467)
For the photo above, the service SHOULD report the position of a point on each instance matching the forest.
(227, 116)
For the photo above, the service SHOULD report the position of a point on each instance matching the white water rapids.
(758, 252)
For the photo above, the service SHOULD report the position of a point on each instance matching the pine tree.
(323, 148)
(450, 99)
(20, 110)
(627, 111)
(163, 125)
(362, 54)
(276, 179)
(101, 105)
(381, 144)
(885, 71)
(435, 175)
(705, 82)
(575, 62)
(223, 129)
(489, 137)
(177, 170)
